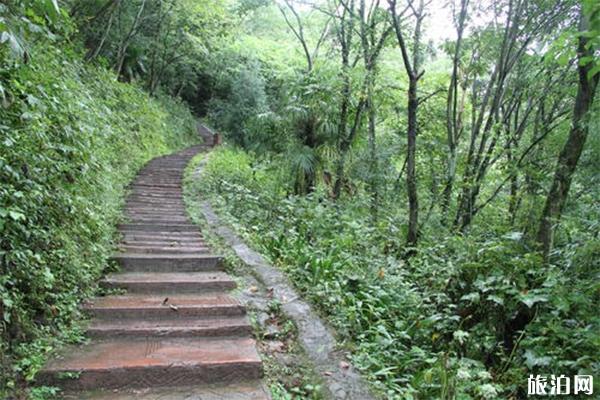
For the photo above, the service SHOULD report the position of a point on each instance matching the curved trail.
(176, 332)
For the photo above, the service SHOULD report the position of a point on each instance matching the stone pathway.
(176, 332)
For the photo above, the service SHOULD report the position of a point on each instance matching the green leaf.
(15, 215)
(593, 72)
(530, 299)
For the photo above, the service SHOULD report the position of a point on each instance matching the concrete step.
(155, 307)
(153, 363)
(189, 282)
(247, 390)
(233, 326)
(133, 262)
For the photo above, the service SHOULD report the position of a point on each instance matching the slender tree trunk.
(373, 164)
(411, 176)
(127, 40)
(92, 54)
(569, 155)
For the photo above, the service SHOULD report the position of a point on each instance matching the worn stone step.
(153, 363)
(167, 217)
(154, 306)
(189, 282)
(155, 191)
(232, 326)
(157, 220)
(156, 210)
(136, 195)
(165, 243)
(131, 262)
(158, 201)
(154, 249)
(167, 194)
(169, 237)
(161, 236)
(157, 182)
(178, 216)
(247, 390)
(171, 227)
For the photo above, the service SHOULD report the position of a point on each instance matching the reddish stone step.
(172, 327)
(154, 306)
(164, 249)
(154, 362)
(157, 241)
(195, 282)
(247, 390)
(131, 262)
(150, 227)
(164, 240)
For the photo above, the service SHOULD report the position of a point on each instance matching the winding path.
(173, 331)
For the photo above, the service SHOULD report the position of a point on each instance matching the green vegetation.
(71, 138)
(425, 172)
(435, 200)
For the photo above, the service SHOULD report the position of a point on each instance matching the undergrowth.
(69, 143)
(439, 326)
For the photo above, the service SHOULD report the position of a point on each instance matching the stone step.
(157, 200)
(157, 220)
(132, 262)
(247, 390)
(164, 243)
(171, 237)
(156, 191)
(157, 183)
(233, 326)
(155, 307)
(189, 282)
(157, 209)
(157, 217)
(153, 363)
(176, 217)
(161, 236)
(135, 195)
(154, 249)
(145, 227)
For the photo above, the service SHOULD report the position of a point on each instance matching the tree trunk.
(411, 178)
(569, 155)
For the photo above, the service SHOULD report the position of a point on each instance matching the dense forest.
(425, 172)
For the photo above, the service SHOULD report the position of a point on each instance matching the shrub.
(69, 144)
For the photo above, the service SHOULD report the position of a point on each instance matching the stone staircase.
(175, 332)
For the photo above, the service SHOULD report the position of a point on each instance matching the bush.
(446, 325)
(69, 144)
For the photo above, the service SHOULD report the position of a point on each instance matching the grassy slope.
(71, 138)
